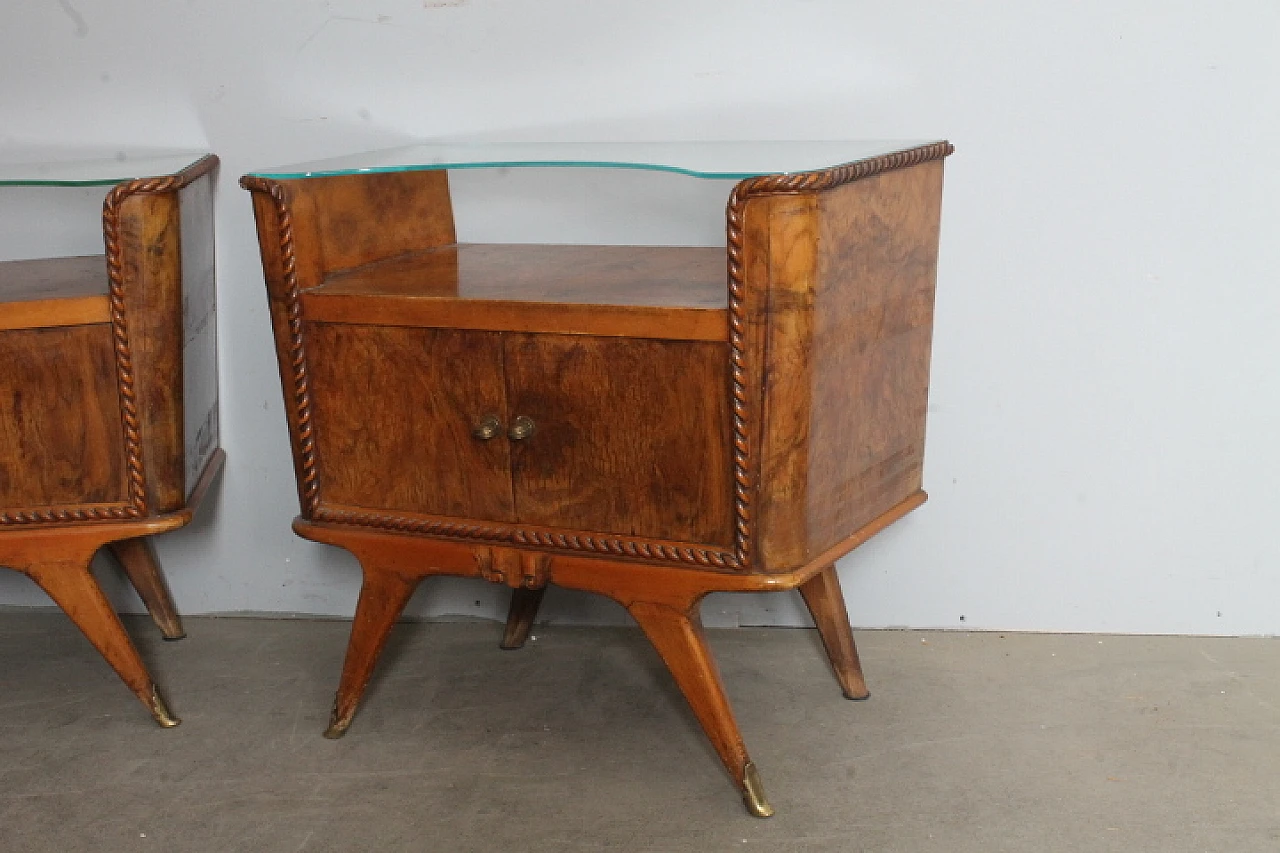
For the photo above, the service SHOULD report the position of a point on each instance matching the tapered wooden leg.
(524, 609)
(826, 604)
(679, 639)
(138, 558)
(382, 600)
(73, 588)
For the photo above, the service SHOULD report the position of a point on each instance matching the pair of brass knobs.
(521, 428)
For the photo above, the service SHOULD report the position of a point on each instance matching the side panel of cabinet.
(151, 266)
(60, 435)
(199, 331)
(877, 266)
(631, 436)
(394, 408)
(851, 274)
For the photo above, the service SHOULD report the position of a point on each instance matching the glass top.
(87, 167)
(725, 160)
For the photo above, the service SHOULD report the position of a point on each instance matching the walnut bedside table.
(109, 395)
(647, 423)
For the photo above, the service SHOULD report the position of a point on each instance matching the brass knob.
(521, 428)
(488, 428)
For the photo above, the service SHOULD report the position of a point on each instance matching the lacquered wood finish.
(53, 292)
(652, 464)
(138, 559)
(520, 615)
(59, 557)
(822, 595)
(851, 273)
(433, 387)
(618, 423)
(60, 436)
(626, 291)
(92, 407)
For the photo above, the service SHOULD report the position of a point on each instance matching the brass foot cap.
(337, 728)
(753, 792)
(161, 711)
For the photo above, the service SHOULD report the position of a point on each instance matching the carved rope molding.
(304, 432)
(745, 361)
(741, 365)
(502, 534)
(136, 506)
(308, 469)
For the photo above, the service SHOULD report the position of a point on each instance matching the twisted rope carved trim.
(741, 365)
(627, 548)
(741, 356)
(304, 437)
(406, 524)
(68, 515)
(136, 507)
(309, 480)
(506, 534)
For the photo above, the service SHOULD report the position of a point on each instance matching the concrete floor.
(970, 742)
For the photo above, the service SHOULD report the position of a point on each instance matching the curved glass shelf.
(716, 160)
(83, 167)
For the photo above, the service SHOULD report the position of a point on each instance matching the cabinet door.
(61, 442)
(395, 408)
(631, 436)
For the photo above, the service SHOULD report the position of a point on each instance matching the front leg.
(66, 577)
(383, 596)
(678, 636)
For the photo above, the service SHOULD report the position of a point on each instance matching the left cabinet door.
(396, 411)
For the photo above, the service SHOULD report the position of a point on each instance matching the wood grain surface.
(394, 412)
(53, 292)
(631, 291)
(60, 433)
(851, 273)
(632, 436)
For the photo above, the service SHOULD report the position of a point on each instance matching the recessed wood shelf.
(49, 292)
(672, 293)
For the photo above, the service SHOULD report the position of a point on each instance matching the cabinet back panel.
(351, 220)
(60, 435)
(631, 436)
(877, 251)
(394, 408)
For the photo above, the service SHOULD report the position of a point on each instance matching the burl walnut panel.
(394, 408)
(151, 266)
(347, 221)
(852, 273)
(632, 436)
(60, 439)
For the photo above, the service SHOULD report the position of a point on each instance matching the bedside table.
(647, 423)
(109, 425)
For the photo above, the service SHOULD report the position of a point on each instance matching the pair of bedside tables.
(651, 424)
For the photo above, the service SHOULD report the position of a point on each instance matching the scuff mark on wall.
(82, 28)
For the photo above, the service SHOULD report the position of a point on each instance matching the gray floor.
(970, 742)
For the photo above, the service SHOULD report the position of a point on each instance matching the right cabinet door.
(630, 436)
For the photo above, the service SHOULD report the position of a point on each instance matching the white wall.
(1103, 445)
